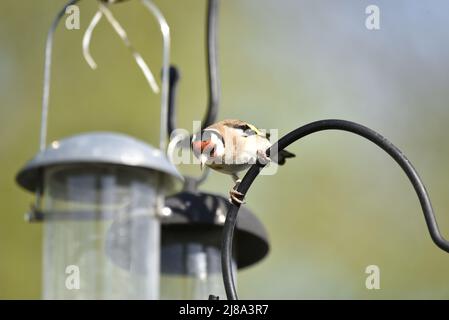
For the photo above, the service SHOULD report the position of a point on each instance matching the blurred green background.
(340, 206)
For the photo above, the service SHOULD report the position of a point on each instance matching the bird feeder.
(191, 244)
(87, 183)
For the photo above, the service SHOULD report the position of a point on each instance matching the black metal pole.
(173, 78)
(294, 136)
(212, 63)
(213, 77)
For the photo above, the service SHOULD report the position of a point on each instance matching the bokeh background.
(340, 206)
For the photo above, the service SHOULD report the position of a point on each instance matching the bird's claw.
(262, 157)
(236, 197)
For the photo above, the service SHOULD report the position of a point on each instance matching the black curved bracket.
(299, 133)
(212, 73)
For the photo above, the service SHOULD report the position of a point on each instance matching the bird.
(231, 146)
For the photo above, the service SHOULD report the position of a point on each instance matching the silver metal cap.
(99, 148)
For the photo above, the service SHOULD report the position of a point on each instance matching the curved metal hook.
(212, 72)
(48, 61)
(104, 11)
(88, 37)
(47, 73)
(213, 80)
(299, 133)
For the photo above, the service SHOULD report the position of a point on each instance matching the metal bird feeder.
(86, 184)
(191, 244)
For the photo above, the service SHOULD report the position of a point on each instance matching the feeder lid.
(195, 214)
(99, 148)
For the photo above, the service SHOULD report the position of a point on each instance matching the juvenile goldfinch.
(231, 146)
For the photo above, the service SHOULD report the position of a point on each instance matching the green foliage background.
(339, 207)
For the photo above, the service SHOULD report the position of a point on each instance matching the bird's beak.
(203, 159)
(197, 146)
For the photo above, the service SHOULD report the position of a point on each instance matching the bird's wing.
(244, 126)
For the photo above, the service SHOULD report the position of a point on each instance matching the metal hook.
(165, 30)
(87, 38)
(213, 81)
(212, 72)
(212, 63)
(47, 73)
(104, 11)
(46, 86)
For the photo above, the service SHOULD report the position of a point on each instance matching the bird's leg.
(262, 157)
(235, 196)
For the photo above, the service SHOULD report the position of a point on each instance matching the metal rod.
(104, 10)
(213, 77)
(47, 73)
(212, 63)
(88, 37)
(172, 89)
(294, 136)
(165, 30)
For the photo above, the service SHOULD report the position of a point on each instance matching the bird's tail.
(281, 157)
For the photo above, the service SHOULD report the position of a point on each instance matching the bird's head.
(208, 146)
